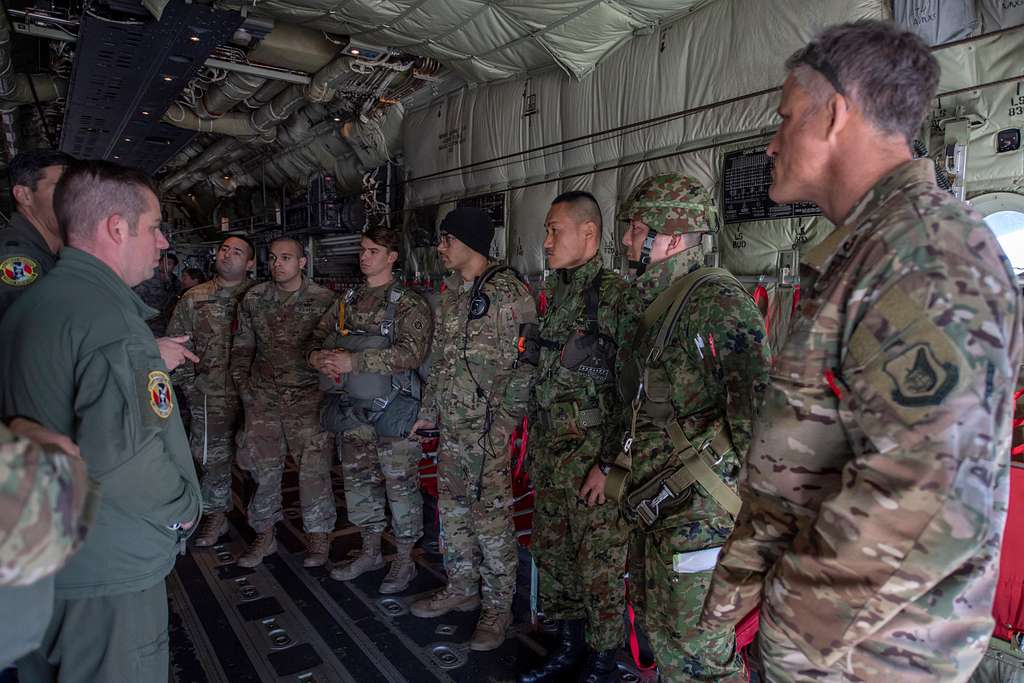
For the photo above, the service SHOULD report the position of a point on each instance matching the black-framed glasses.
(813, 58)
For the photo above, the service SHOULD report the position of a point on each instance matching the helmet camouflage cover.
(671, 203)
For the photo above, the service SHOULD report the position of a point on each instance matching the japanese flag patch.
(161, 396)
(18, 271)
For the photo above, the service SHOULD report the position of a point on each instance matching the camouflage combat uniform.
(876, 487)
(378, 469)
(281, 399)
(159, 294)
(474, 465)
(710, 377)
(45, 491)
(24, 258)
(580, 551)
(47, 503)
(208, 314)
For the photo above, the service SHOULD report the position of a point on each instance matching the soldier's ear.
(22, 195)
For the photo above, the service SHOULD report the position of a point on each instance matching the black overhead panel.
(126, 73)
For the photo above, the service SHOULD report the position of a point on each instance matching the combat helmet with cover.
(670, 204)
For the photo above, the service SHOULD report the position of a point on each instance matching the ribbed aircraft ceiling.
(483, 40)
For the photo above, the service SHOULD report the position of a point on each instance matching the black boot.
(565, 658)
(600, 667)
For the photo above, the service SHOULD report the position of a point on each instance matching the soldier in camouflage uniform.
(47, 501)
(207, 314)
(876, 486)
(704, 359)
(281, 397)
(387, 329)
(160, 292)
(477, 394)
(575, 431)
(29, 244)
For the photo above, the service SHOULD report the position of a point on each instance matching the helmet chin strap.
(645, 254)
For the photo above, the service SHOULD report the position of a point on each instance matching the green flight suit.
(24, 258)
(85, 364)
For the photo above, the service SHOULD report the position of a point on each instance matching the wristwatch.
(605, 467)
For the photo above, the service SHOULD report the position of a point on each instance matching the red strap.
(1018, 450)
(1018, 422)
(796, 299)
(634, 642)
(522, 449)
(830, 378)
(542, 302)
(1018, 394)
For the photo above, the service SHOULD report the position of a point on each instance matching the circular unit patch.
(161, 396)
(18, 271)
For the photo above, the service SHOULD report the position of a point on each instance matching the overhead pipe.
(224, 95)
(8, 85)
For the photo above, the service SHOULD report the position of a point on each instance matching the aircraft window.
(1008, 227)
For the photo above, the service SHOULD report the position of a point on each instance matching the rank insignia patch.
(18, 271)
(161, 396)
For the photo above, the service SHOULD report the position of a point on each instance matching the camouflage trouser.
(668, 606)
(215, 420)
(273, 430)
(581, 553)
(479, 537)
(378, 469)
(783, 661)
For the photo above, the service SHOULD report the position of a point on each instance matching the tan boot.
(264, 544)
(369, 559)
(215, 525)
(318, 547)
(490, 630)
(443, 602)
(401, 572)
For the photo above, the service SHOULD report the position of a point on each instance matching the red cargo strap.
(634, 643)
(761, 301)
(522, 448)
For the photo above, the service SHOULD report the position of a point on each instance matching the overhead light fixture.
(194, 39)
(116, 157)
(145, 113)
(127, 139)
(354, 51)
(337, 119)
(168, 78)
(227, 177)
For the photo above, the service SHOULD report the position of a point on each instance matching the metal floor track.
(282, 622)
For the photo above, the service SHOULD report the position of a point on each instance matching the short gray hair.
(886, 71)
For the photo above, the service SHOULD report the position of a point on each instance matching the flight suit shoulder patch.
(18, 271)
(161, 396)
(921, 375)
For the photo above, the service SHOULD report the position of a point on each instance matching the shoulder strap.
(592, 301)
(673, 299)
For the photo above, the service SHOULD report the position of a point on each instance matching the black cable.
(42, 117)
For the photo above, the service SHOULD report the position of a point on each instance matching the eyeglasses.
(445, 239)
(813, 58)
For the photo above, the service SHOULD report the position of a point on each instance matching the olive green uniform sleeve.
(429, 410)
(414, 327)
(325, 327)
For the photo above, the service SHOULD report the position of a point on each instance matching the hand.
(33, 431)
(174, 352)
(418, 425)
(593, 488)
(333, 363)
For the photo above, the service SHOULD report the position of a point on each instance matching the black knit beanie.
(472, 227)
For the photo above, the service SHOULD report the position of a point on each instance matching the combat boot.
(264, 544)
(215, 525)
(443, 602)
(401, 572)
(368, 560)
(318, 547)
(490, 630)
(565, 659)
(600, 667)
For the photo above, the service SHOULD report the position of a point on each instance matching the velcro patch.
(161, 396)
(920, 377)
(18, 271)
